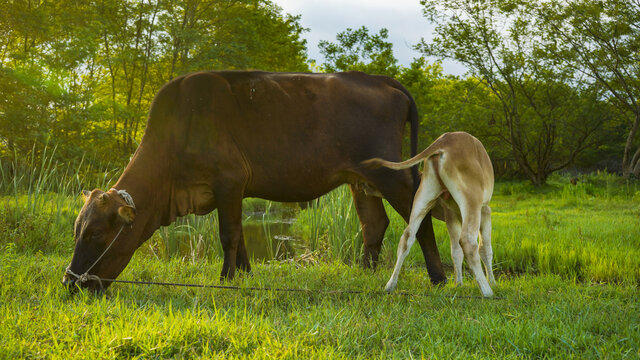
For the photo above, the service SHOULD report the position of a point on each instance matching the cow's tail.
(412, 119)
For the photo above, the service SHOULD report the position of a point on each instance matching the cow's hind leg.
(485, 249)
(425, 198)
(374, 222)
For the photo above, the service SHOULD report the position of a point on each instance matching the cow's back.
(297, 135)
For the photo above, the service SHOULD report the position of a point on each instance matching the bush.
(31, 233)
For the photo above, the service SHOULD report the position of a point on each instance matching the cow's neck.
(144, 180)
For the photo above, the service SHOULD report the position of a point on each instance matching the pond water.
(268, 232)
(271, 240)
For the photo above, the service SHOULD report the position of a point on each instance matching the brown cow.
(457, 183)
(213, 138)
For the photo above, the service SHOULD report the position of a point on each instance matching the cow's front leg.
(230, 219)
(373, 221)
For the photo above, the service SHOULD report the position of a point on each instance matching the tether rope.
(296, 290)
(129, 200)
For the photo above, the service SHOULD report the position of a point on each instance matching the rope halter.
(86, 276)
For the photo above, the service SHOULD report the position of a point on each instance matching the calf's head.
(103, 243)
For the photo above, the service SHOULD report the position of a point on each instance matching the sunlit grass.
(534, 317)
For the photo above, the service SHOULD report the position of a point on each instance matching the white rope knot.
(85, 277)
(125, 195)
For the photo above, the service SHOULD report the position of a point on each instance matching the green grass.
(535, 317)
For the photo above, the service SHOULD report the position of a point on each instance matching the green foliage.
(541, 115)
(600, 41)
(358, 50)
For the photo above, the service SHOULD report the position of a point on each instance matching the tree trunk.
(630, 162)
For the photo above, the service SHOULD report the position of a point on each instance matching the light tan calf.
(457, 184)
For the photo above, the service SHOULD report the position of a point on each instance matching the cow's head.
(104, 217)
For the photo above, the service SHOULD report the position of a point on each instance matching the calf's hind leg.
(424, 200)
(397, 188)
(454, 228)
(485, 249)
(469, 243)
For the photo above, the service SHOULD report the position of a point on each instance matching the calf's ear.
(85, 195)
(127, 214)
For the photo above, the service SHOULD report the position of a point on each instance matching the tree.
(46, 77)
(81, 75)
(214, 34)
(358, 50)
(601, 41)
(499, 43)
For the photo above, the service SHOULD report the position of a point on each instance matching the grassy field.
(567, 260)
(535, 316)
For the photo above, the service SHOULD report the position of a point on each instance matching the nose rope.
(86, 276)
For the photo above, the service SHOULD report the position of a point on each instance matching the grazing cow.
(457, 183)
(213, 138)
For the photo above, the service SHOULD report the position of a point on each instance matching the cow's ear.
(127, 214)
(85, 195)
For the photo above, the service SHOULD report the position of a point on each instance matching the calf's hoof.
(390, 286)
(486, 291)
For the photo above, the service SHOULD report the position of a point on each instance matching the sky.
(403, 19)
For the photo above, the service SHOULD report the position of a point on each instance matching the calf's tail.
(378, 162)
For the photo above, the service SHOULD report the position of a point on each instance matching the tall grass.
(589, 231)
(40, 198)
(332, 224)
(190, 238)
(271, 253)
(37, 173)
